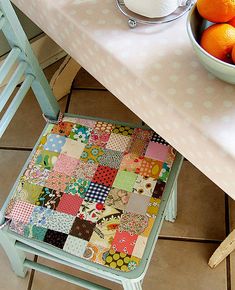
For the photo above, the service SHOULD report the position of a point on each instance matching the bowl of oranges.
(211, 29)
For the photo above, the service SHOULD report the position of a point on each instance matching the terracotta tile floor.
(180, 258)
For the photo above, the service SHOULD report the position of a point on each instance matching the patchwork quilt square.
(58, 181)
(75, 246)
(40, 216)
(121, 261)
(106, 227)
(60, 222)
(22, 211)
(158, 139)
(138, 203)
(27, 192)
(92, 154)
(85, 170)
(36, 175)
(34, 232)
(80, 133)
(90, 211)
(82, 229)
(157, 151)
(123, 130)
(70, 204)
(150, 168)
(85, 122)
(170, 157)
(99, 138)
(104, 175)
(111, 158)
(66, 165)
(17, 227)
(49, 198)
(124, 242)
(163, 176)
(144, 185)
(104, 126)
(117, 198)
(46, 159)
(78, 186)
(139, 247)
(97, 192)
(131, 162)
(125, 180)
(118, 142)
(56, 239)
(148, 228)
(93, 189)
(95, 253)
(137, 147)
(153, 207)
(142, 134)
(54, 143)
(133, 223)
(63, 128)
(73, 148)
(159, 189)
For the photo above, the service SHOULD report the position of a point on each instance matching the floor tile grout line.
(16, 148)
(194, 240)
(227, 230)
(32, 273)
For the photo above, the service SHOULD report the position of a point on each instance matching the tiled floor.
(180, 258)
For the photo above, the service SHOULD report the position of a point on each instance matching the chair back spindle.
(26, 69)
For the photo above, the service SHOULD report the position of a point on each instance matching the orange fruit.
(216, 10)
(233, 54)
(232, 22)
(218, 40)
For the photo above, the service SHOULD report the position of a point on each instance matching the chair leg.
(132, 285)
(15, 256)
(172, 207)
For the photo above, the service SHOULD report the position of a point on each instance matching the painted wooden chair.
(93, 194)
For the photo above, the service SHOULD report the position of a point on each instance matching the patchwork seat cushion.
(93, 189)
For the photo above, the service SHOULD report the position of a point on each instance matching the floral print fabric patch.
(93, 189)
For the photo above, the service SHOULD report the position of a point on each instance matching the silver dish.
(136, 18)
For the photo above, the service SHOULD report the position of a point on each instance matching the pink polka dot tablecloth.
(152, 70)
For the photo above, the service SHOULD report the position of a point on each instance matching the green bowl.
(222, 70)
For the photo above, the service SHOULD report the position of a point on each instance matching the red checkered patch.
(22, 211)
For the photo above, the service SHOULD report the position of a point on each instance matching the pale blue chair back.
(27, 69)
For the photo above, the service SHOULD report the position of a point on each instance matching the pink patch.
(124, 242)
(157, 151)
(66, 164)
(69, 204)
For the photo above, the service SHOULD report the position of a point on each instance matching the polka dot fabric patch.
(93, 189)
(104, 127)
(104, 175)
(54, 143)
(123, 130)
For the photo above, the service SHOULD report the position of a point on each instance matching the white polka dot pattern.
(153, 70)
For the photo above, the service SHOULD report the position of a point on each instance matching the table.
(154, 72)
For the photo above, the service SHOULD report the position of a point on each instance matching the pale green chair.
(62, 233)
